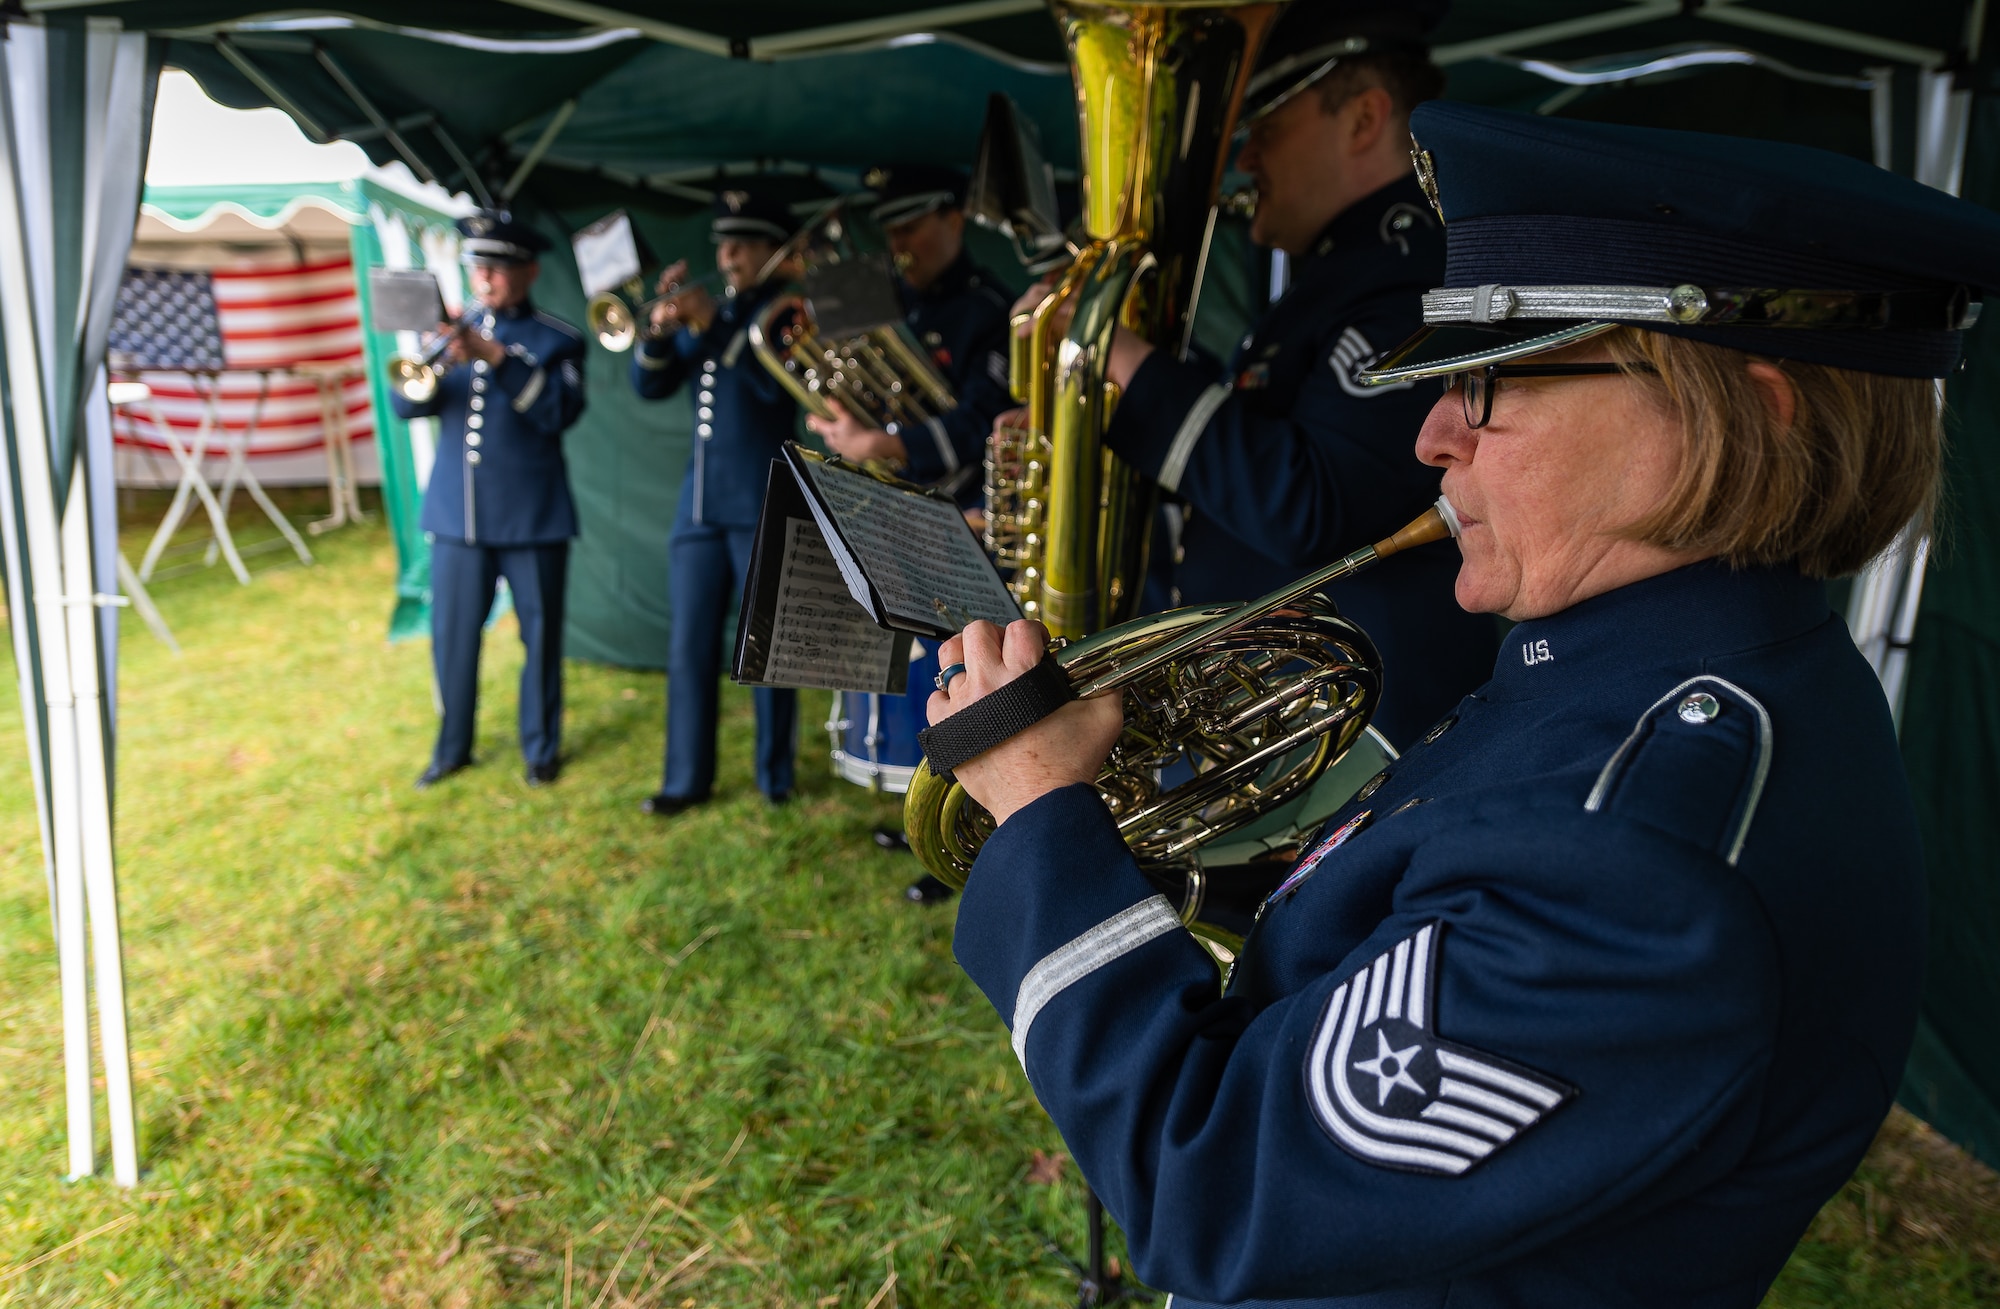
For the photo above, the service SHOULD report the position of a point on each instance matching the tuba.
(839, 334)
(1158, 89)
(1258, 701)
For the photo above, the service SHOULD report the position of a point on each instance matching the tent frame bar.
(374, 115)
(811, 40)
(262, 81)
(535, 153)
(1730, 12)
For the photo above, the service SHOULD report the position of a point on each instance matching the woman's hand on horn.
(1067, 747)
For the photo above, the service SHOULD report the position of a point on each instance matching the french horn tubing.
(1258, 700)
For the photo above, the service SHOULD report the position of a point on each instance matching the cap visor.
(1441, 351)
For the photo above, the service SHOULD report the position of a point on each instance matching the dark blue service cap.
(746, 214)
(906, 191)
(494, 236)
(1557, 230)
(1310, 39)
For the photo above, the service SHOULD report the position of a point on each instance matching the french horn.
(1255, 702)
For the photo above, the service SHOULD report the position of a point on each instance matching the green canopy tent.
(566, 109)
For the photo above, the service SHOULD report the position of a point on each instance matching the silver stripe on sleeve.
(531, 392)
(943, 444)
(1067, 965)
(1192, 427)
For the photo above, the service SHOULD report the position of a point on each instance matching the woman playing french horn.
(1596, 995)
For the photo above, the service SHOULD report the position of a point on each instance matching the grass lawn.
(491, 1046)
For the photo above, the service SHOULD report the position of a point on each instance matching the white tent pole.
(100, 877)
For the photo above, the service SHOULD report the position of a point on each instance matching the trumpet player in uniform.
(498, 502)
(1284, 457)
(743, 417)
(1583, 1000)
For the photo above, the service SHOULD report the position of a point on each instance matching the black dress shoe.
(892, 839)
(666, 806)
(437, 772)
(927, 890)
(543, 774)
(777, 799)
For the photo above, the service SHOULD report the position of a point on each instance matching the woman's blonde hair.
(1826, 492)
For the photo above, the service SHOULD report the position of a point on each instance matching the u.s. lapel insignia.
(1391, 1092)
(1427, 176)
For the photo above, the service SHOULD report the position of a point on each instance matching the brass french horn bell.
(1260, 699)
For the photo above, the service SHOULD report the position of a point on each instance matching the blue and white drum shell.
(875, 736)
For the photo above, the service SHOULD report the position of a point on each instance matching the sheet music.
(819, 636)
(924, 561)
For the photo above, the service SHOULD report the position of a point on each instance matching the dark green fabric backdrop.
(1951, 740)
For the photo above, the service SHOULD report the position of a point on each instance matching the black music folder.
(847, 566)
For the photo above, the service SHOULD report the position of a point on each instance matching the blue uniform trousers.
(463, 579)
(707, 566)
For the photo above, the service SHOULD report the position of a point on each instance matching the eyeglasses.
(1479, 384)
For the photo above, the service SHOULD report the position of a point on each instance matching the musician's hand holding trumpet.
(676, 305)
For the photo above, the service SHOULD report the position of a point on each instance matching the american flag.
(271, 319)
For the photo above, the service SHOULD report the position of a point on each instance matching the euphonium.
(1158, 90)
(1258, 700)
(871, 364)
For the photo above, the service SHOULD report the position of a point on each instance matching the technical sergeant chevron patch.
(1390, 1092)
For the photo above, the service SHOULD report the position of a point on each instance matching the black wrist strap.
(996, 717)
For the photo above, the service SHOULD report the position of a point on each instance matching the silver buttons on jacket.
(1449, 721)
(475, 422)
(1699, 708)
(472, 440)
(472, 457)
(704, 431)
(478, 400)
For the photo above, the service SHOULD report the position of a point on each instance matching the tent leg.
(75, 970)
(129, 583)
(100, 877)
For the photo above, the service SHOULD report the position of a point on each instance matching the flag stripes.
(272, 319)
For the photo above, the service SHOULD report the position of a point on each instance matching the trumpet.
(618, 321)
(415, 377)
(1262, 699)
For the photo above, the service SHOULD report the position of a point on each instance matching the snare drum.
(875, 736)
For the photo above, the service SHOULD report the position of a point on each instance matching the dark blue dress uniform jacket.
(1605, 995)
(737, 397)
(1286, 462)
(961, 320)
(498, 479)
